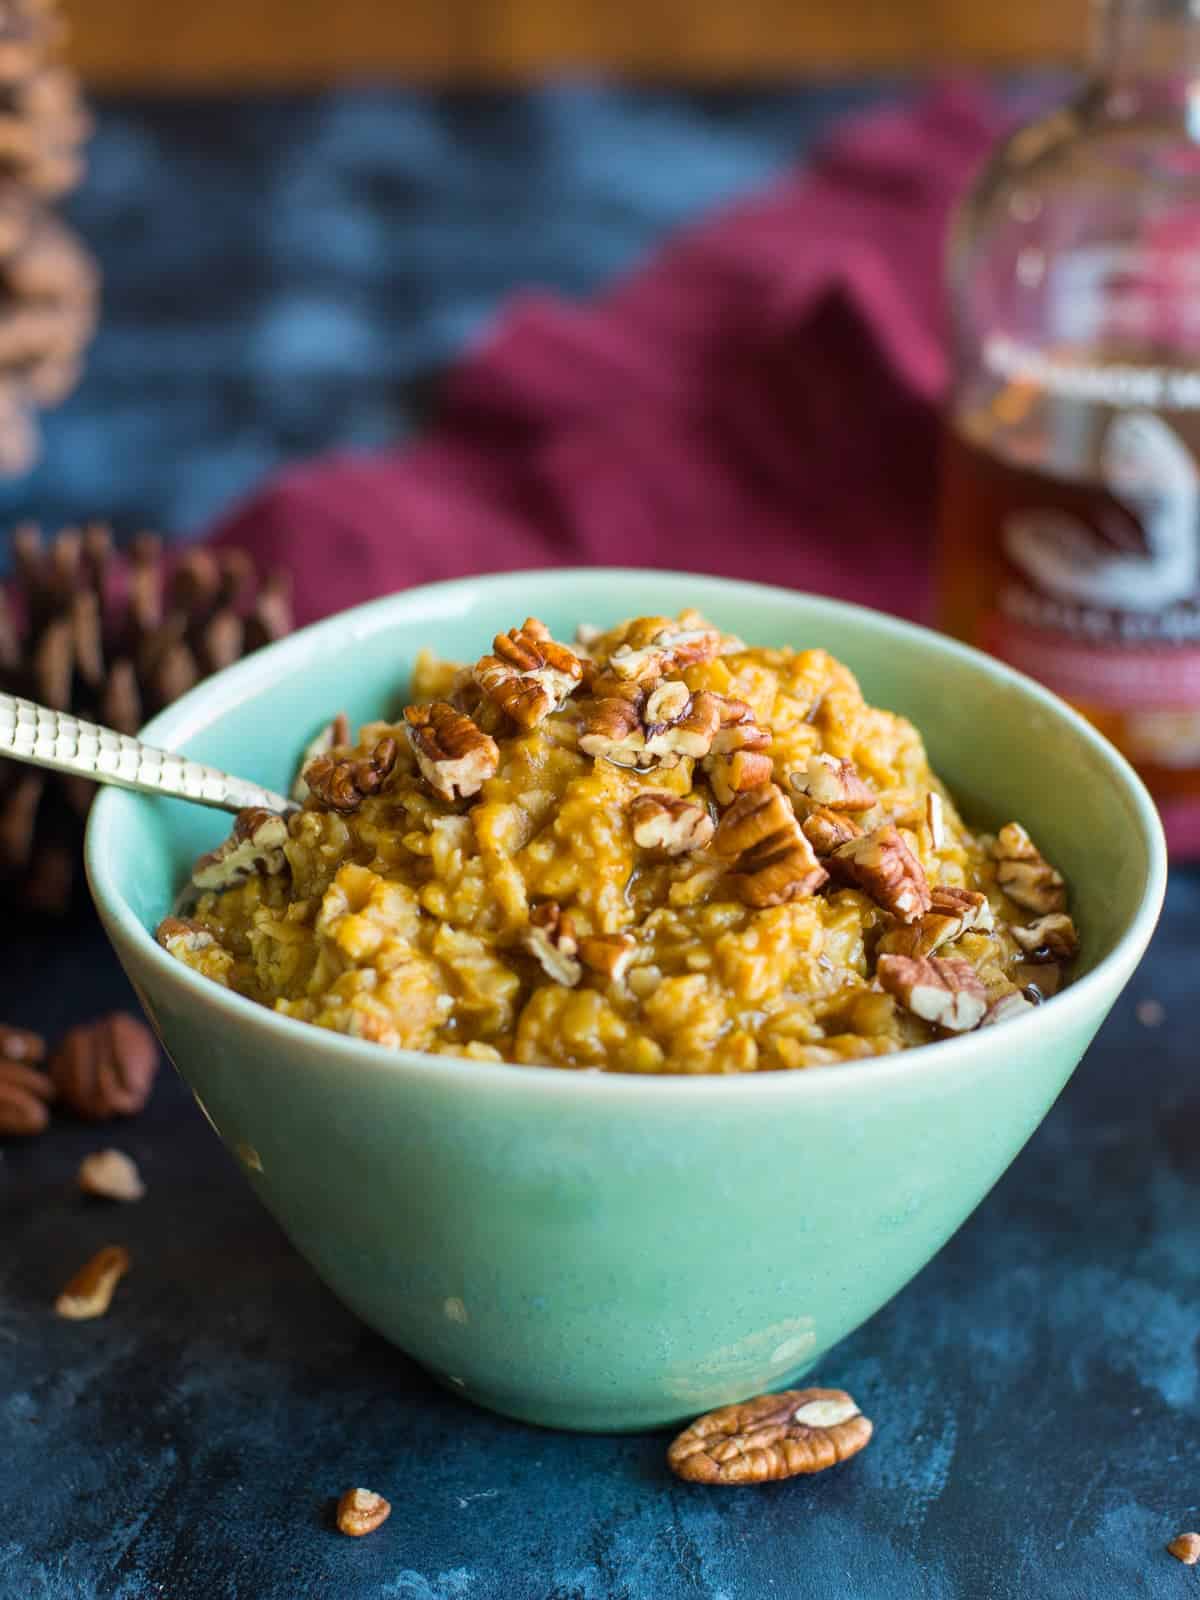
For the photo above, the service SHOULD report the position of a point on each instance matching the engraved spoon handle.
(45, 738)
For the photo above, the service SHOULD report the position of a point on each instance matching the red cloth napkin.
(758, 401)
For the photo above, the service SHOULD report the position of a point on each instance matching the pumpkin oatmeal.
(657, 849)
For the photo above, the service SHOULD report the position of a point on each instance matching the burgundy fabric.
(759, 401)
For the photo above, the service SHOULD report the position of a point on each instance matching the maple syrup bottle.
(1070, 512)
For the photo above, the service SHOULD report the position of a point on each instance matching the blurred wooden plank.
(236, 44)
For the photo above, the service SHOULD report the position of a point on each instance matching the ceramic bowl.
(599, 1251)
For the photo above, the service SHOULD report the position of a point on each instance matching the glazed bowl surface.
(600, 1251)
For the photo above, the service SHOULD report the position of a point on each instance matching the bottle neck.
(1151, 43)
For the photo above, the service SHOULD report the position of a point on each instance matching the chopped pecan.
(670, 650)
(772, 858)
(630, 730)
(1185, 1547)
(1007, 1008)
(106, 1068)
(608, 953)
(825, 830)
(952, 913)
(454, 754)
(343, 783)
(935, 820)
(360, 1511)
(180, 936)
(90, 1291)
(530, 675)
(775, 1436)
(255, 845)
(738, 760)
(669, 822)
(1050, 938)
(1024, 874)
(883, 866)
(833, 782)
(333, 735)
(112, 1175)
(947, 992)
(551, 940)
(25, 1091)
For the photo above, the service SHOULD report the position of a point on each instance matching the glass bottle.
(1070, 510)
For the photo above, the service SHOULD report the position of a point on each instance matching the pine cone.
(48, 282)
(114, 639)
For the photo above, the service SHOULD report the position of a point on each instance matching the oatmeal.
(657, 849)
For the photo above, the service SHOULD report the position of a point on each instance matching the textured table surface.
(281, 276)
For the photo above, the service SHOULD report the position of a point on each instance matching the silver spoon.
(44, 738)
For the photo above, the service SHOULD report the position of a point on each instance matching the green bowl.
(596, 1251)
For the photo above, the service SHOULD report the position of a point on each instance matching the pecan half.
(331, 737)
(90, 1291)
(454, 754)
(670, 650)
(947, 992)
(25, 1091)
(343, 783)
(883, 866)
(1007, 1008)
(833, 782)
(180, 936)
(775, 1436)
(738, 760)
(1185, 1547)
(530, 675)
(255, 845)
(106, 1068)
(110, 1174)
(1050, 938)
(659, 729)
(551, 940)
(608, 953)
(771, 857)
(825, 830)
(360, 1511)
(952, 913)
(1024, 873)
(670, 823)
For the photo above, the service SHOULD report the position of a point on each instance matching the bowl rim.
(215, 696)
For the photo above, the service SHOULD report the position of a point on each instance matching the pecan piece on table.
(770, 856)
(25, 1091)
(669, 823)
(112, 1175)
(882, 865)
(825, 830)
(947, 992)
(530, 675)
(334, 735)
(551, 940)
(1185, 1547)
(776, 1436)
(608, 953)
(255, 845)
(106, 1068)
(1024, 873)
(1050, 938)
(359, 1511)
(90, 1291)
(833, 782)
(342, 783)
(454, 754)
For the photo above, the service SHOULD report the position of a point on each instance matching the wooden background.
(235, 44)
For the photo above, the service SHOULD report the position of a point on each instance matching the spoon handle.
(55, 739)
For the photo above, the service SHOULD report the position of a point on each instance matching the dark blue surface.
(281, 277)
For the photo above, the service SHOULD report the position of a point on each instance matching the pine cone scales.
(115, 639)
(48, 282)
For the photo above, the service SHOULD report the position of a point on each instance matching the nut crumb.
(360, 1511)
(551, 940)
(608, 953)
(1185, 1547)
(90, 1291)
(112, 1175)
(775, 1436)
